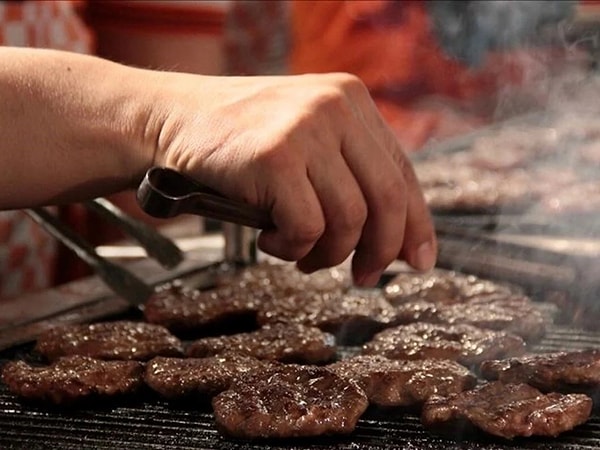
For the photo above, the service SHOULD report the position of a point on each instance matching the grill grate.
(150, 423)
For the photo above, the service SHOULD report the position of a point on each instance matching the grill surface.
(150, 423)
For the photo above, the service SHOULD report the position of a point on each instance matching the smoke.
(468, 30)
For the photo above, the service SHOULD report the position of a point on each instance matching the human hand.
(311, 149)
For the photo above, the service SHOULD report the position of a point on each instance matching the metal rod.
(122, 282)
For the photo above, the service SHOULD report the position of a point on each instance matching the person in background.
(438, 68)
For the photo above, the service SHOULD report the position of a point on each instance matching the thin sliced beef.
(466, 344)
(289, 401)
(281, 342)
(179, 378)
(505, 410)
(390, 382)
(122, 340)
(72, 379)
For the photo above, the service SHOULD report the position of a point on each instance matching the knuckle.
(307, 234)
(392, 196)
(348, 81)
(351, 218)
(276, 158)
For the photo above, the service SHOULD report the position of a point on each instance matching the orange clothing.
(391, 47)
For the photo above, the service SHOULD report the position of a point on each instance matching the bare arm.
(312, 149)
(71, 127)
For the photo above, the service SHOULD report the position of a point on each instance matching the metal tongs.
(120, 280)
(167, 193)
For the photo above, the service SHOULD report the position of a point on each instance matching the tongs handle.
(156, 245)
(167, 193)
(120, 280)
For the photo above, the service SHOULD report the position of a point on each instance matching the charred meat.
(441, 287)
(514, 314)
(121, 340)
(192, 311)
(390, 382)
(506, 410)
(289, 401)
(283, 279)
(73, 378)
(197, 377)
(350, 317)
(549, 372)
(466, 344)
(281, 342)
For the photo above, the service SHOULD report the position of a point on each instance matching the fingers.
(338, 181)
(385, 191)
(296, 211)
(420, 245)
(344, 209)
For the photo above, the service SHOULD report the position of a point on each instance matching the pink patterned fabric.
(27, 253)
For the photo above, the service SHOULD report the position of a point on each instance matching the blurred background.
(437, 71)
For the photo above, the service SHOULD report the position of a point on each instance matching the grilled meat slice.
(289, 401)
(390, 382)
(282, 342)
(198, 377)
(442, 287)
(351, 317)
(73, 378)
(122, 340)
(565, 372)
(466, 344)
(506, 410)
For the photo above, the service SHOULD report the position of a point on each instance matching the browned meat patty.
(549, 372)
(441, 287)
(285, 279)
(289, 401)
(109, 340)
(520, 147)
(281, 342)
(73, 378)
(238, 298)
(187, 311)
(390, 382)
(582, 197)
(205, 377)
(506, 410)
(452, 185)
(350, 317)
(450, 297)
(515, 314)
(466, 344)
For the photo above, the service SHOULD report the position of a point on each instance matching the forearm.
(72, 127)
